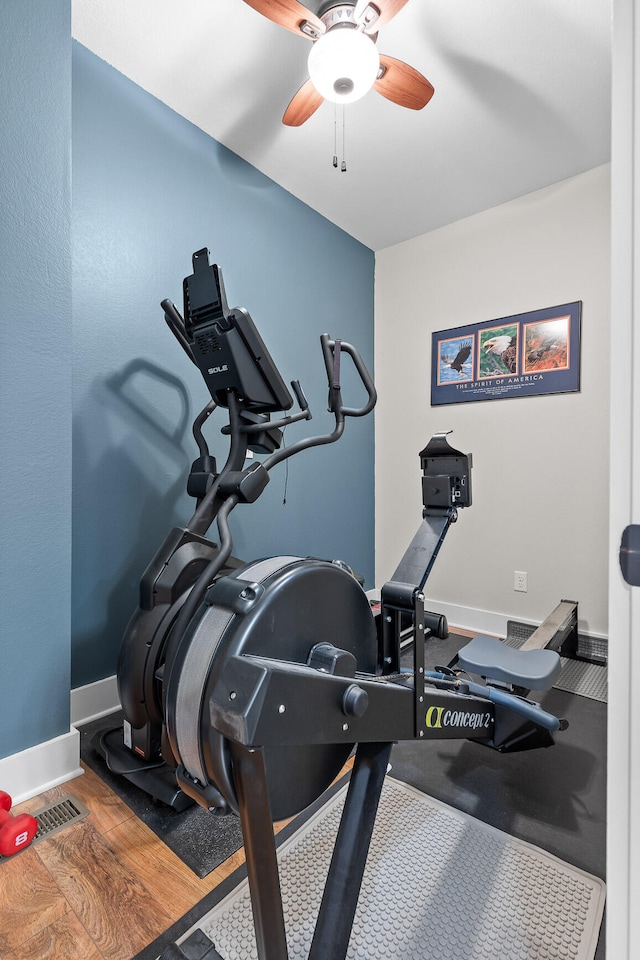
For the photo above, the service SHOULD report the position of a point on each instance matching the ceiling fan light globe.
(343, 65)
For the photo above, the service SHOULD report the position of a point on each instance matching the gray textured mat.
(438, 885)
(585, 679)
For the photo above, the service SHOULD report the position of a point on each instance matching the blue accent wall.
(35, 371)
(150, 189)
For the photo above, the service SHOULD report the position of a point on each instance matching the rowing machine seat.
(494, 660)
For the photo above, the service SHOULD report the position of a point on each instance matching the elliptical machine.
(242, 379)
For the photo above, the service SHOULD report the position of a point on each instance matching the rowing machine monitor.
(446, 480)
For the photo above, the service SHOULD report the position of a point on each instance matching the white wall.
(541, 464)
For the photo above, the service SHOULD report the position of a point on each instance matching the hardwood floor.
(101, 889)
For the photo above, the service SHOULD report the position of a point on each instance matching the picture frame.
(528, 354)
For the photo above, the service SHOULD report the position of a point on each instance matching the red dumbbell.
(16, 833)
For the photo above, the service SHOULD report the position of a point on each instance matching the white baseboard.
(30, 772)
(26, 774)
(479, 621)
(94, 700)
(494, 624)
(464, 618)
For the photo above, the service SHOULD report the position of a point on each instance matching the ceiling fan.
(344, 62)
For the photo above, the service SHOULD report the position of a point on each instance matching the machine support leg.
(418, 662)
(342, 889)
(259, 843)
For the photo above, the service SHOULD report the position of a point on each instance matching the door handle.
(630, 554)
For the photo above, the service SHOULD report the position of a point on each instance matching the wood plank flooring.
(101, 889)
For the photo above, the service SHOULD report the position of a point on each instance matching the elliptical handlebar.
(176, 325)
(332, 350)
(198, 423)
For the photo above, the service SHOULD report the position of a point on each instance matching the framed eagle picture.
(529, 354)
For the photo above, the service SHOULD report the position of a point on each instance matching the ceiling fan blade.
(303, 105)
(402, 84)
(386, 10)
(289, 14)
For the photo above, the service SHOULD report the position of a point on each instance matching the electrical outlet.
(520, 581)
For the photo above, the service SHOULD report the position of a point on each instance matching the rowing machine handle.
(332, 351)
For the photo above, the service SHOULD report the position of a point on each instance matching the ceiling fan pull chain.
(343, 167)
(335, 135)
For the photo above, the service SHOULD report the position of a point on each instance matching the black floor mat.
(201, 840)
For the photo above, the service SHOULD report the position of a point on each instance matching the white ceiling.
(522, 100)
